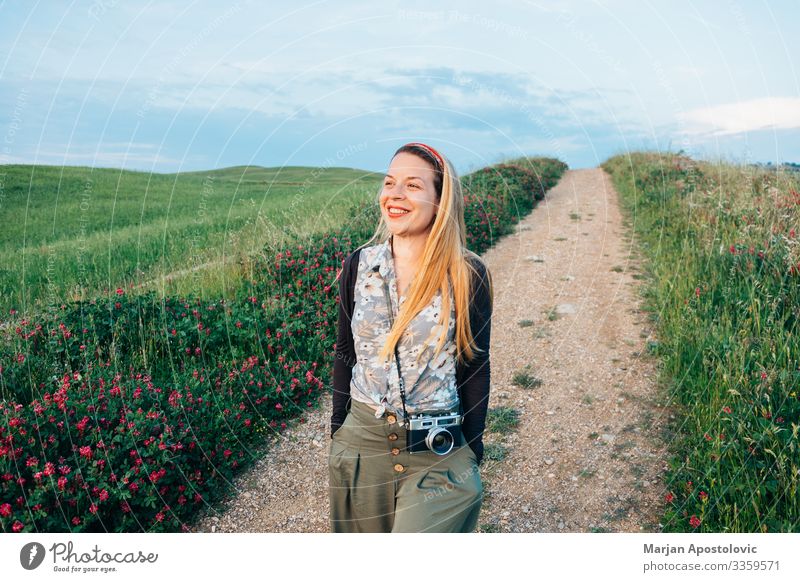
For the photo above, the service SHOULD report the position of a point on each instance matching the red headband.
(432, 151)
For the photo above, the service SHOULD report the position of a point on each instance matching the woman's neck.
(407, 251)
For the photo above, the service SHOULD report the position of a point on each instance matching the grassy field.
(74, 232)
(723, 289)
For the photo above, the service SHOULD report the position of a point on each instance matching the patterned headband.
(432, 151)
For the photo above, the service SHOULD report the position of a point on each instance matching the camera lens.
(439, 440)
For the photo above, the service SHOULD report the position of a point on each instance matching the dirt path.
(585, 455)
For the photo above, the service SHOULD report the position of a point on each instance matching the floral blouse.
(430, 385)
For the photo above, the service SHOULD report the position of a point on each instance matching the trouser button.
(395, 451)
(391, 419)
(399, 468)
(393, 436)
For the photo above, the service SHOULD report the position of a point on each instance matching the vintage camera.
(439, 433)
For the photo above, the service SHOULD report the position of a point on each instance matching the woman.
(416, 306)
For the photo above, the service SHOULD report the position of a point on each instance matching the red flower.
(93, 508)
(703, 495)
(120, 291)
(726, 409)
(278, 406)
(76, 520)
(694, 521)
(669, 497)
(5, 509)
(18, 525)
(86, 452)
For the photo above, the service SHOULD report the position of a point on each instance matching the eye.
(413, 185)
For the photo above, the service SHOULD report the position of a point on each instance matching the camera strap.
(396, 353)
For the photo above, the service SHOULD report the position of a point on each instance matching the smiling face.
(409, 185)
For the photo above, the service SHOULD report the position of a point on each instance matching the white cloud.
(744, 116)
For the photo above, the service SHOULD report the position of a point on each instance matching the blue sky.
(170, 86)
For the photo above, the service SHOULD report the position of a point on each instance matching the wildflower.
(76, 520)
(278, 406)
(703, 496)
(120, 291)
(694, 521)
(669, 497)
(18, 525)
(93, 508)
(726, 409)
(5, 510)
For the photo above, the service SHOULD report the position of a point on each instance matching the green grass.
(502, 419)
(721, 288)
(78, 231)
(525, 378)
(495, 451)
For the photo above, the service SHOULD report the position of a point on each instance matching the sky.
(183, 86)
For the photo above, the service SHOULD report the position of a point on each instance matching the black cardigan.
(472, 378)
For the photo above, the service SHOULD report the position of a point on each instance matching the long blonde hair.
(444, 259)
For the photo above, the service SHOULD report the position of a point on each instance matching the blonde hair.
(444, 260)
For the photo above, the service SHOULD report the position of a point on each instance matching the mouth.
(396, 211)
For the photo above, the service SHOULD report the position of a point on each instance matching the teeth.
(397, 211)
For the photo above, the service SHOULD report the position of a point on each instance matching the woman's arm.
(345, 348)
(474, 380)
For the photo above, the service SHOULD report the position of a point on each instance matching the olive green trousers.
(376, 485)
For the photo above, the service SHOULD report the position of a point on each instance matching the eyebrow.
(409, 178)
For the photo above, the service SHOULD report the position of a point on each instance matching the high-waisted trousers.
(377, 485)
